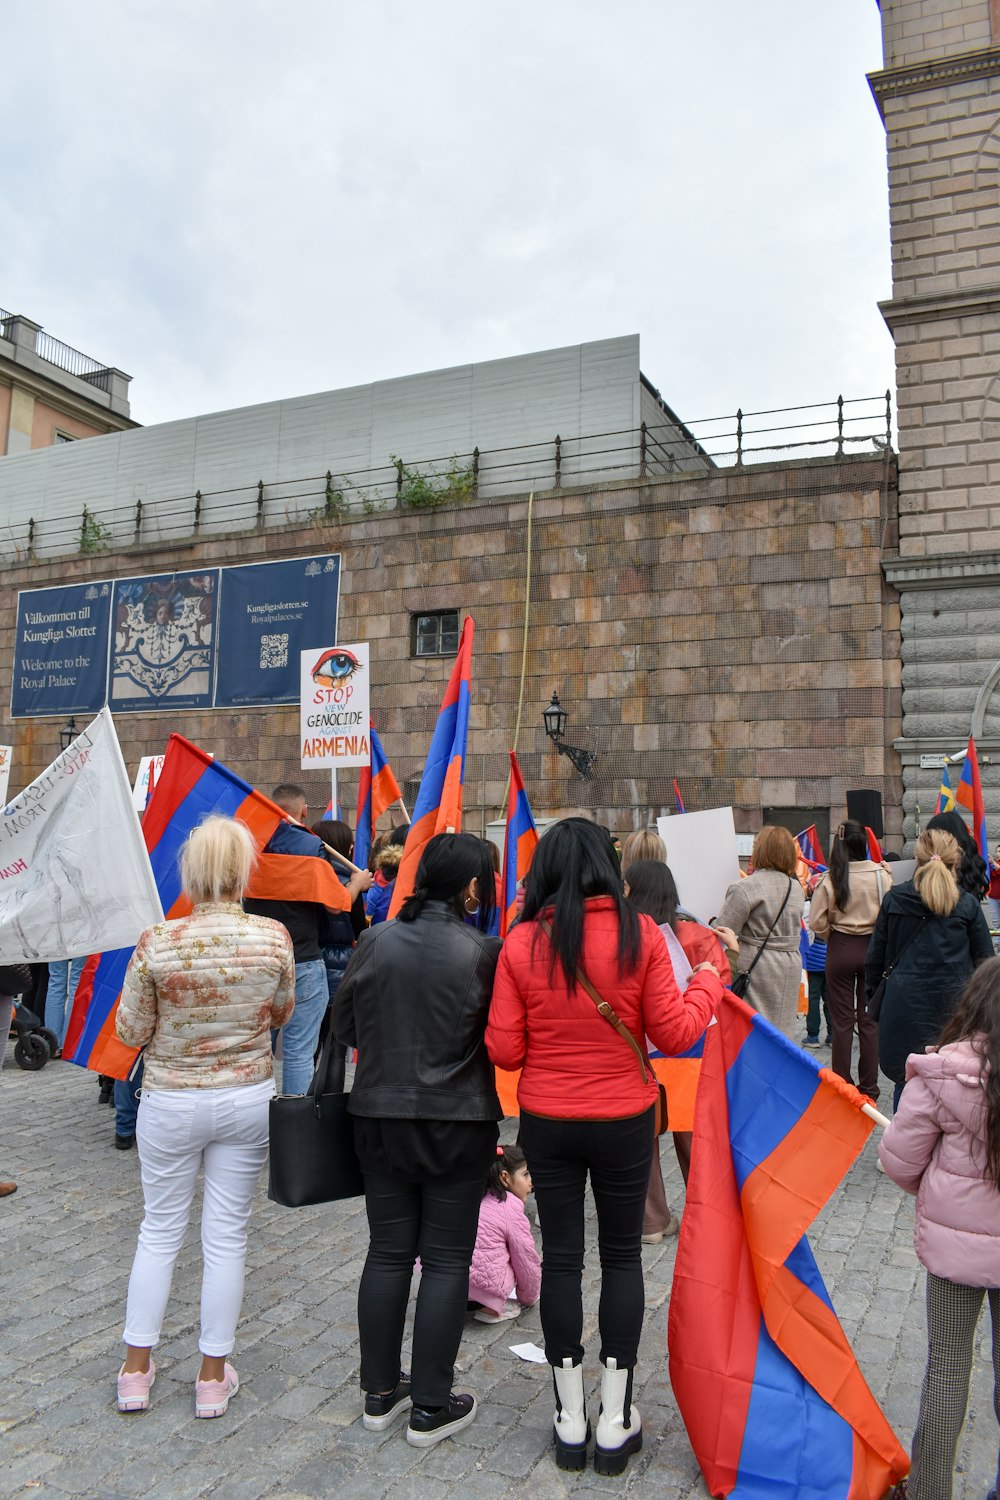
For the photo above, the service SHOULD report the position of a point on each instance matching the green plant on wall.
(436, 486)
(94, 535)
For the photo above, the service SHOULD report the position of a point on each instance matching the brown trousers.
(846, 1001)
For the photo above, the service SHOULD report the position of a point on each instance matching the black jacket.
(933, 958)
(414, 1001)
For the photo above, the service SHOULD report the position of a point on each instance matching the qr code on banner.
(274, 650)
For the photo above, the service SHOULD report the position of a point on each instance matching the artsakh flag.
(946, 797)
(767, 1384)
(809, 848)
(377, 790)
(874, 847)
(969, 794)
(189, 788)
(438, 808)
(519, 845)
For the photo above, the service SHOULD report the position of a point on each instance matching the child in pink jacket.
(505, 1262)
(944, 1145)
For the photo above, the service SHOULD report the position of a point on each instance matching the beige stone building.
(939, 95)
(52, 394)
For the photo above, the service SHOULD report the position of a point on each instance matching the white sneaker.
(487, 1315)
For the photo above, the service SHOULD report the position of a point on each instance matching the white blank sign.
(701, 853)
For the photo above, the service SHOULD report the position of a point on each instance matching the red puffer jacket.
(574, 1065)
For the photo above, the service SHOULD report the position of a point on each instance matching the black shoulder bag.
(741, 981)
(312, 1158)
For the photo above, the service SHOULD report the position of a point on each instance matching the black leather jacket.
(414, 1001)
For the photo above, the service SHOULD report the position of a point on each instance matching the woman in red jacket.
(587, 1104)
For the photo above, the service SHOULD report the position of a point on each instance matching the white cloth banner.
(75, 877)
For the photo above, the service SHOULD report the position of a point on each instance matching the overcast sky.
(240, 200)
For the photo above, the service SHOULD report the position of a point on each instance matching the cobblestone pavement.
(67, 1238)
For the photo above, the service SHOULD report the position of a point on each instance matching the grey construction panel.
(498, 406)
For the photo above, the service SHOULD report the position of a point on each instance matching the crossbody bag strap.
(773, 925)
(906, 945)
(604, 1008)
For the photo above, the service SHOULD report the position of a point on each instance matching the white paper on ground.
(530, 1352)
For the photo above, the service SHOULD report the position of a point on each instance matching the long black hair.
(977, 1019)
(653, 890)
(972, 873)
(850, 842)
(448, 863)
(576, 859)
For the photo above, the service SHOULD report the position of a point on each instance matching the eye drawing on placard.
(335, 667)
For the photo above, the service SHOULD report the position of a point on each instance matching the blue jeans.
(127, 1102)
(298, 1038)
(64, 977)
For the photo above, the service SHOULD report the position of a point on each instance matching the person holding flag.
(972, 872)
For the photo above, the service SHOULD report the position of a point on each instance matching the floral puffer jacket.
(202, 994)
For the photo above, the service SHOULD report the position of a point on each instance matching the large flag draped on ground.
(190, 786)
(74, 875)
(519, 845)
(767, 1384)
(438, 808)
(969, 794)
(377, 790)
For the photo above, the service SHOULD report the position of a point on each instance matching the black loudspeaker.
(865, 807)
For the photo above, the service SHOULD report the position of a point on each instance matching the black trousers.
(617, 1155)
(437, 1219)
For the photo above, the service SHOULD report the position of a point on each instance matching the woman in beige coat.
(843, 912)
(770, 895)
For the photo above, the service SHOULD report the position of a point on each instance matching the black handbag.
(740, 982)
(312, 1155)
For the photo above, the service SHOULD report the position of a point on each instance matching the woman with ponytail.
(842, 914)
(414, 1001)
(928, 939)
(588, 1106)
(944, 1146)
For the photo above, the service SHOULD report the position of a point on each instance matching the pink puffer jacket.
(505, 1255)
(935, 1147)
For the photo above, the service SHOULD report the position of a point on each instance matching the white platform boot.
(572, 1429)
(619, 1426)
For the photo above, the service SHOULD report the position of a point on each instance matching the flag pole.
(403, 806)
(873, 1114)
(343, 859)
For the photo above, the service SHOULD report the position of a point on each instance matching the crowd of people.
(602, 961)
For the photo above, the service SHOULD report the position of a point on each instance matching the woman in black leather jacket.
(415, 1001)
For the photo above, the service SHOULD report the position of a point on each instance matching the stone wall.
(733, 631)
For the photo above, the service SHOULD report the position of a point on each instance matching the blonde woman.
(201, 994)
(765, 913)
(642, 844)
(928, 938)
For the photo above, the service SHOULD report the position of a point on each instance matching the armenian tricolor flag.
(809, 849)
(520, 843)
(677, 797)
(946, 797)
(189, 788)
(438, 808)
(767, 1384)
(969, 794)
(874, 847)
(377, 790)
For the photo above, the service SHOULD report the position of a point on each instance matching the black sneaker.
(124, 1142)
(429, 1427)
(382, 1411)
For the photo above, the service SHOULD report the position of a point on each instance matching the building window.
(435, 633)
(62, 437)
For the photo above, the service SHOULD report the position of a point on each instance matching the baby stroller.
(35, 1043)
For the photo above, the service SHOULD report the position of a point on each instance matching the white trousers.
(177, 1131)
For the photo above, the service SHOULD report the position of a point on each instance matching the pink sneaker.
(133, 1390)
(211, 1397)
